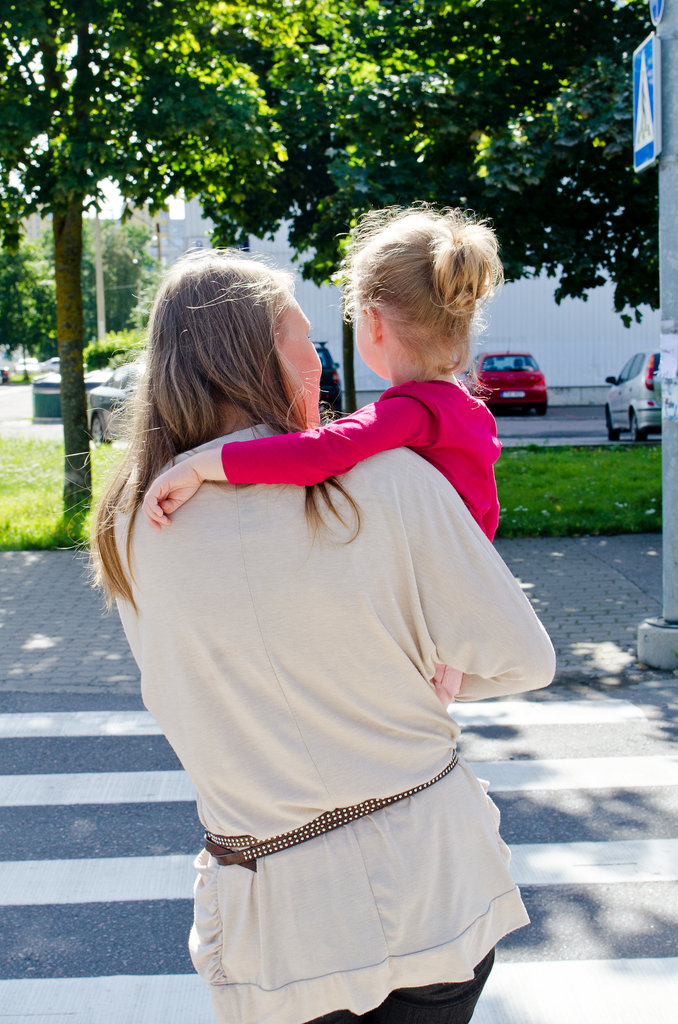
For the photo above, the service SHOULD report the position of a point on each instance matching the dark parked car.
(4, 375)
(330, 385)
(511, 380)
(107, 401)
(634, 402)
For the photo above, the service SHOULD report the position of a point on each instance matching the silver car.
(634, 402)
(107, 402)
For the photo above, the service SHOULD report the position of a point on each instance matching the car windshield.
(126, 376)
(507, 363)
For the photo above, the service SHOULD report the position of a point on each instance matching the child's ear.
(375, 325)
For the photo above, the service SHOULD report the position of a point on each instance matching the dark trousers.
(444, 1003)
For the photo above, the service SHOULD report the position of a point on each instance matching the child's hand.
(177, 485)
(168, 492)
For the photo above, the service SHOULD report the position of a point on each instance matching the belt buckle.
(225, 856)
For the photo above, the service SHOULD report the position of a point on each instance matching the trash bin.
(47, 397)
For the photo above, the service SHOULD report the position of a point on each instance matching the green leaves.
(155, 100)
(521, 112)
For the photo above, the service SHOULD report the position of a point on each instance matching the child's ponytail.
(466, 265)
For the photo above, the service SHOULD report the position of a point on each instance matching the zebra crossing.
(98, 833)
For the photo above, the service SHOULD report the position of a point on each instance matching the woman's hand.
(177, 485)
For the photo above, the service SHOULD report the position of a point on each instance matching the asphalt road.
(561, 425)
(567, 424)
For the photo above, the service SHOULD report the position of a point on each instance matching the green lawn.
(31, 481)
(544, 492)
(568, 492)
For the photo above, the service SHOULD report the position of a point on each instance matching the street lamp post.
(658, 638)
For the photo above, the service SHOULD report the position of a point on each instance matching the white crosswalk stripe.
(525, 987)
(78, 723)
(146, 787)
(560, 993)
(105, 880)
(141, 723)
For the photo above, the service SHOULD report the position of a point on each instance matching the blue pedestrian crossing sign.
(656, 11)
(647, 120)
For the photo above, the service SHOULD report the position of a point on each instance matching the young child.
(415, 280)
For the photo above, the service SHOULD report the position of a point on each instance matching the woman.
(286, 641)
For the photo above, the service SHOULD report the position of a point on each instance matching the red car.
(511, 380)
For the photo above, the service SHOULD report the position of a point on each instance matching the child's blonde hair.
(428, 271)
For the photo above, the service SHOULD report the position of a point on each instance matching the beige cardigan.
(291, 676)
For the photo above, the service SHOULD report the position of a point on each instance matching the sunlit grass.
(31, 503)
(544, 492)
(568, 492)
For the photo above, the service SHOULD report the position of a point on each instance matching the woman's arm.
(475, 611)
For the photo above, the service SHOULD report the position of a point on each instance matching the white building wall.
(577, 343)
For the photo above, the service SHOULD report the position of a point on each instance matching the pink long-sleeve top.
(438, 419)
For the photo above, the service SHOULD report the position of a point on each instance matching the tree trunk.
(67, 255)
(349, 373)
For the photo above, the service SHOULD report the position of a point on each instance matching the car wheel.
(541, 409)
(97, 430)
(636, 433)
(612, 431)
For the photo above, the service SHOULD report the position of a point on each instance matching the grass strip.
(31, 484)
(544, 491)
(571, 491)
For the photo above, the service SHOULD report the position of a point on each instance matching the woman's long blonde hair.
(211, 366)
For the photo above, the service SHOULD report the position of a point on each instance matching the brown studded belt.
(246, 850)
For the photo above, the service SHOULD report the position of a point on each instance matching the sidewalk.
(591, 593)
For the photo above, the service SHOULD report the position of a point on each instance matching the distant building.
(34, 226)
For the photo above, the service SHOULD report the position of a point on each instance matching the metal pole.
(658, 638)
(99, 281)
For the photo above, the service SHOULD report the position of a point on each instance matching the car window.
(626, 370)
(118, 378)
(508, 363)
(638, 365)
(125, 377)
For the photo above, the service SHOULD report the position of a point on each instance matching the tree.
(156, 100)
(315, 110)
(520, 112)
(27, 301)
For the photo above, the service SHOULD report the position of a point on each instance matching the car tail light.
(650, 372)
(335, 377)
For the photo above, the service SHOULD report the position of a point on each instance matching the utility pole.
(99, 280)
(658, 638)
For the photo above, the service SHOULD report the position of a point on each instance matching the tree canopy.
(128, 269)
(521, 112)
